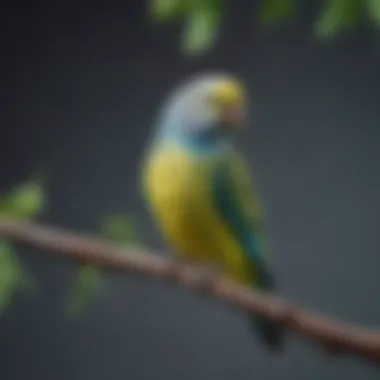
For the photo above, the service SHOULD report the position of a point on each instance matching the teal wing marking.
(240, 209)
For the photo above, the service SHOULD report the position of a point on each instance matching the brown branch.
(335, 336)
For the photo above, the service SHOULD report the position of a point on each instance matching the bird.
(199, 190)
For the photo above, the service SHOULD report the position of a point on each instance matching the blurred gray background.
(81, 84)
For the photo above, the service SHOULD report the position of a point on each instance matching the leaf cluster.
(26, 202)
(202, 19)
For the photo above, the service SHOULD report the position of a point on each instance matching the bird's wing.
(238, 205)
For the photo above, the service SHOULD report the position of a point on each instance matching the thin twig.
(334, 336)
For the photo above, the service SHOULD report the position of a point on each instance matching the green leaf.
(86, 282)
(338, 15)
(119, 228)
(275, 11)
(201, 30)
(8, 276)
(28, 283)
(373, 9)
(167, 10)
(11, 275)
(201, 24)
(24, 202)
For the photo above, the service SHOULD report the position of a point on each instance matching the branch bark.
(335, 336)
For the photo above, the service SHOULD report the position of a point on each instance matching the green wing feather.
(240, 208)
(238, 205)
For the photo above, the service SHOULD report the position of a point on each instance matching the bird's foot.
(195, 275)
(205, 276)
(176, 267)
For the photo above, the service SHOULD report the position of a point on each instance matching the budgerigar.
(199, 189)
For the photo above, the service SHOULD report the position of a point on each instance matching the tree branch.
(335, 336)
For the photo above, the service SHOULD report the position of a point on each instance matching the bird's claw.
(205, 276)
(196, 275)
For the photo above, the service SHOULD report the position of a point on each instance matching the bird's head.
(206, 108)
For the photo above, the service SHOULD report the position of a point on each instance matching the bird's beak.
(229, 99)
(233, 115)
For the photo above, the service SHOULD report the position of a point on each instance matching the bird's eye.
(219, 102)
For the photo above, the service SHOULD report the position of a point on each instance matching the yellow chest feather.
(177, 190)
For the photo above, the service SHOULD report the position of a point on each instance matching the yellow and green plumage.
(199, 189)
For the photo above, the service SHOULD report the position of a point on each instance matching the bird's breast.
(177, 190)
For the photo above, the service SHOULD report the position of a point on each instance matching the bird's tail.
(270, 334)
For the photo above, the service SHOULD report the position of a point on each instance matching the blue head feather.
(187, 118)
